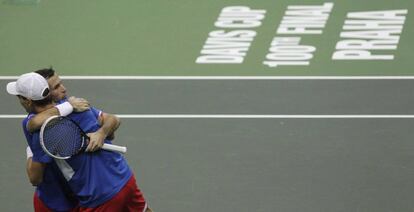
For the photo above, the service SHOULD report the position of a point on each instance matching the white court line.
(227, 77)
(240, 116)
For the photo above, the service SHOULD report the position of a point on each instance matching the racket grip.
(114, 148)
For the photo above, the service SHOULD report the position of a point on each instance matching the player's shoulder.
(26, 120)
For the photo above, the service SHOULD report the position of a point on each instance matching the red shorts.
(39, 206)
(129, 198)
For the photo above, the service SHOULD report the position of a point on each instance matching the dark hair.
(43, 102)
(46, 72)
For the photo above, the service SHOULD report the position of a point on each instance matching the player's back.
(95, 177)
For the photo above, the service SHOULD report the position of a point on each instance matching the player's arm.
(34, 169)
(109, 124)
(115, 121)
(64, 109)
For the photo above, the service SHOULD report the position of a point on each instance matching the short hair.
(46, 72)
(43, 102)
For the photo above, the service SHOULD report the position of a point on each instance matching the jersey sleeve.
(34, 143)
(96, 112)
(24, 127)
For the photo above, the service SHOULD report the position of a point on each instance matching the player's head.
(57, 90)
(32, 90)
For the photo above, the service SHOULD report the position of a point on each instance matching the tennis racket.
(61, 138)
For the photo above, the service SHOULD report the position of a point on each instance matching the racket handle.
(114, 148)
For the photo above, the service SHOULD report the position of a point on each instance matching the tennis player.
(102, 180)
(33, 122)
(54, 193)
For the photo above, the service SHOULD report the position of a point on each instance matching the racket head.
(61, 138)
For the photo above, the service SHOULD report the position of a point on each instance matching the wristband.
(65, 108)
(29, 152)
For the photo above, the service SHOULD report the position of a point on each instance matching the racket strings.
(62, 137)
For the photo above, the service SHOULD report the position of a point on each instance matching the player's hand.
(96, 141)
(78, 104)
